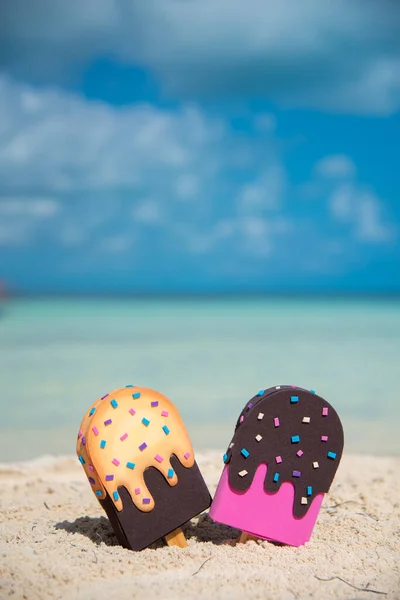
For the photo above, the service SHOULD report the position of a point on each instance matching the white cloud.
(265, 192)
(335, 166)
(336, 56)
(21, 217)
(147, 211)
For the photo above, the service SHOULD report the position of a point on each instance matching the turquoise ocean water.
(208, 356)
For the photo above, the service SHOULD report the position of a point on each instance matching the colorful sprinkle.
(299, 453)
(103, 397)
(81, 460)
(304, 500)
(109, 477)
(146, 501)
(309, 490)
(103, 444)
(155, 403)
(95, 430)
(108, 422)
(325, 411)
(324, 438)
(83, 440)
(92, 411)
(115, 496)
(79, 433)
(99, 493)
(136, 395)
(90, 467)
(142, 446)
(249, 406)
(245, 452)
(241, 419)
(260, 393)
(170, 473)
(225, 458)
(114, 403)
(158, 458)
(276, 477)
(258, 438)
(123, 437)
(278, 459)
(145, 421)
(278, 387)
(296, 474)
(295, 439)
(132, 411)
(91, 480)
(115, 462)
(164, 413)
(187, 455)
(315, 465)
(306, 420)
(260, 416)
(137, 491)
(130, 465)
(294, 399)
(332, 455)
(129, 385)
(165, 429)
(231, 445)
(312, 391)
(243, 473)
(276, 422)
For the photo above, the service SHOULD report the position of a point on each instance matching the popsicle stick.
(246, 537)
(176, 538)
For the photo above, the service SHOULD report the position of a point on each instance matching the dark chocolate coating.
(276, 441)
(174, 506)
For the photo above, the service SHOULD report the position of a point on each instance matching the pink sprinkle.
(80, 433)
(123, 437)
(95, 430)
(325, 411)
(115, 462)
(241, 419)
(137, 491)
(91, 468)
(276, 422)
(299, 453)
(278, 459)
(324, 438)
(159, 458)
(164, 413)
(187, 455)
(132, 411)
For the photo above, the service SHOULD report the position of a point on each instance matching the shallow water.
(209, 357)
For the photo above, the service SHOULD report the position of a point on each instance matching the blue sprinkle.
(295, 439)
(130, 465)
(276, 477)
(309, 490)
(92, 411)
(165, 429)
(103, 444)
(114, 403)
(244, 452)
(130, 385)
(171, 473)
(225, 458)
(136, 395)
(81, 460)
(312, 391)
(294, 399)
(99, 493)
(145, 421)
(332, 455)
(115, 495)
(260, 393)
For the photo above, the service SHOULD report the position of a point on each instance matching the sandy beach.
(57, 543)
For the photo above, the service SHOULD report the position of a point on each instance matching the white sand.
(56, 543)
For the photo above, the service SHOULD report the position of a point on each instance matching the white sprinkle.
(243, 473)
(278, 387)
(231, 445)
(304, 500)
(315, 465)
(306, 419)
(258, 438)
(260, 416)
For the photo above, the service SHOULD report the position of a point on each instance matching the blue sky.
(199, 145)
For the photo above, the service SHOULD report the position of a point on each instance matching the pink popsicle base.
(262, 514)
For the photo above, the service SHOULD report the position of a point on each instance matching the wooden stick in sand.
(246, 537)
(176, 538)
